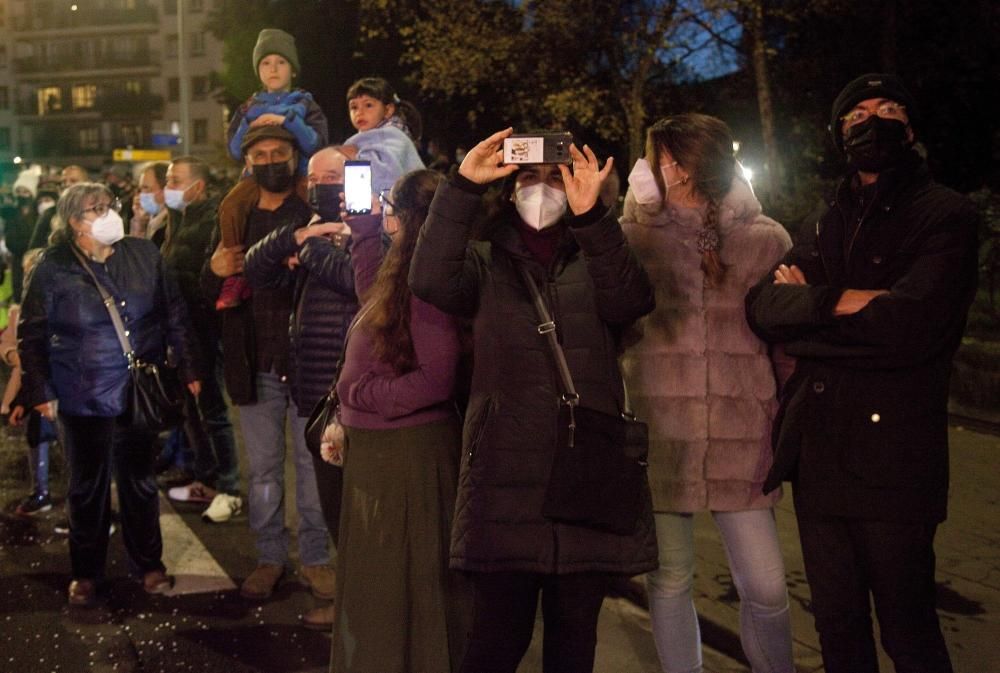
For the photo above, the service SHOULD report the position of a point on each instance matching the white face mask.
(44, 205)
(539, 205)
(108, 229)
(174, 198)
(643, 184)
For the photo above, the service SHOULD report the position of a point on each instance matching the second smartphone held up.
(358, 187)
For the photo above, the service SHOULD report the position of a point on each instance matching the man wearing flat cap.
(256, 367)
(873, 302)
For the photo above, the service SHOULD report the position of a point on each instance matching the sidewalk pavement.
(216, 630)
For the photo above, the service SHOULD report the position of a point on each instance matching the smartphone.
(538, 148)
(358, 187)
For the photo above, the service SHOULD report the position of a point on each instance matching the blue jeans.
(750, 538)
(263, 427)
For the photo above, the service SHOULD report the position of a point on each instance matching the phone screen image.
(358, 187)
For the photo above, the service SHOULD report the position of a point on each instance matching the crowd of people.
(753, 362)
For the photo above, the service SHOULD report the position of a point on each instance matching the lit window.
(84, 96)
(49, 100)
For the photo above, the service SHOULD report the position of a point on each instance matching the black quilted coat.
(325, 304)
(595, 286)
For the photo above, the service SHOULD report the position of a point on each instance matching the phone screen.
(358, 187)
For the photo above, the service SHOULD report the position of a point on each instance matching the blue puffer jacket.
(68, 345)
(325, 304)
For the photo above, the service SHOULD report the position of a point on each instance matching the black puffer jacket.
(325, 304)
(185, 250)
(594, 286)
(69, 347)
(862, 431)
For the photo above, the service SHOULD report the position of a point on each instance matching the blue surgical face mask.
(149, 203)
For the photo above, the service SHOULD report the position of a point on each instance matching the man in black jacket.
(257, 362)
(873, 303)
(190, 223)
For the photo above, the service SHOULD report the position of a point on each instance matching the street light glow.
(73, 8)
(17, 160)
(747, 173)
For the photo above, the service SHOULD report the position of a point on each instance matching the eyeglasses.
(101, 209)
(886, 109)
(388, 207)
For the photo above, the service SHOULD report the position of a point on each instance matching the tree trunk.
(772, 170)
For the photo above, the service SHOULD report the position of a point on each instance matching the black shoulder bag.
(155, 398)
(598, 477)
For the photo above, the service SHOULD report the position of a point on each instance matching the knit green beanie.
(275, 41)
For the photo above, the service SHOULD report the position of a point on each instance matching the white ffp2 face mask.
(539, 205)
(643, 184)
(108, 229)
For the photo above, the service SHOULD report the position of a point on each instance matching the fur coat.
(701, 379)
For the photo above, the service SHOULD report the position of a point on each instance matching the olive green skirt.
(399, 609)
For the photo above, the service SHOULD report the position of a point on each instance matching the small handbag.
(155, 398)
(598, 476)
(323, 426)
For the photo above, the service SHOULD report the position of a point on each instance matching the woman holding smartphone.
(398, 606)
(550, 223)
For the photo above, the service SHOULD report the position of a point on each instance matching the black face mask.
(876, 144)
(275, 178)
(325, 201)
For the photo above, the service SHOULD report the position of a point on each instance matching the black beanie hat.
(872, 85)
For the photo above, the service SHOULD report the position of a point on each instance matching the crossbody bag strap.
(109, 304)
(548, 328)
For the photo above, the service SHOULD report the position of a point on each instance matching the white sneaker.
(223, 508)
(193, 492)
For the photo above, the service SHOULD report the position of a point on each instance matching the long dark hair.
(703, 147)
(389, 315)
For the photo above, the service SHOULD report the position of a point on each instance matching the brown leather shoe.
(82, 593)
(261, 583)
(321, 580)
(157, 582)
(319, 619)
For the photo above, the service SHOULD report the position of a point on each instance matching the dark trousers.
(95, 446)
(846, 560)
(330, 485)
(504, 617)
(208, 428)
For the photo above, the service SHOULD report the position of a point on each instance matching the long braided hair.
(389, 316)
(703, 146)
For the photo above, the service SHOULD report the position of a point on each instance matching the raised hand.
(484, 162)
(583, 183)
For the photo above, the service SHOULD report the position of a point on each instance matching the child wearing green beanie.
(276, 62)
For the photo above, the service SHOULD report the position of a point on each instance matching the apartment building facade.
(81, 79)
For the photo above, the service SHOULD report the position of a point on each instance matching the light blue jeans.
(263, 427)
(751, 541)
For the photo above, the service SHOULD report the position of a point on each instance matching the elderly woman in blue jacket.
(72, 358)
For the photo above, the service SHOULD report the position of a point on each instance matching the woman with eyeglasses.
(398, 606)
(74, 369)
